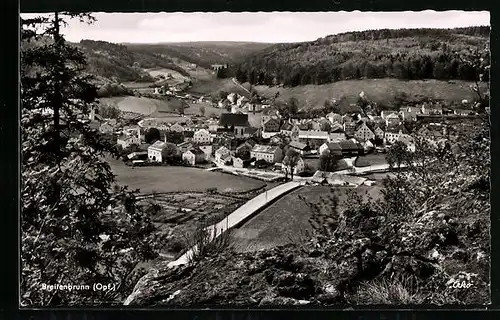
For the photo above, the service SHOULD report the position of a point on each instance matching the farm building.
(333, 147)
(194, 156)
(300, 147)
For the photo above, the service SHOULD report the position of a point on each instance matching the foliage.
(206, 241)
(397, 155)
(152, 135)
(328, 162)
(75, 229)
(292, 158)
(389, 292)
(407, 54)
(109, 112)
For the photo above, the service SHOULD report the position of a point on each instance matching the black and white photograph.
(255, 159)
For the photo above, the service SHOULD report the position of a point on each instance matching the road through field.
(242, 213)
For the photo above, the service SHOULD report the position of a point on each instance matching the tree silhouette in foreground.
(78, 227)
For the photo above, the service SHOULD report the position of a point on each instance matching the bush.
(205, 243)
(388, 291)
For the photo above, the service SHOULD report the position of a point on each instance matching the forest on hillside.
(204, 54)
(407, 54)
(117, 61)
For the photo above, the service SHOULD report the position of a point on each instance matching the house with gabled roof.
(194, 156)
(334, 117)
(222, 155)
(271, 154)
(301, 148)
(351, 148)
(379, 132)
(202, 136)
(333, 147)
(363, 132)
(156, 151)
(237, 122)
(392, 133)
(176, 127)
(392, 119)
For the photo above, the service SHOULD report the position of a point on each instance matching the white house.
(271, 154)
(222, 155)
(237, 162)
(334, 117)
(207, 149)
(127, 140)
(156, 151)
(241, 101)
(363, 133)
(392, 136)
(202, 137)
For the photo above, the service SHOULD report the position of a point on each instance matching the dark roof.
(348, 145)
(334, 146)
(287, 126)
(196, 151)
(188, 134)
(233, 119)
(299, 145)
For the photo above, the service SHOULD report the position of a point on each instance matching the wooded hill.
(204, 53)
(408, 54)
(110, 60)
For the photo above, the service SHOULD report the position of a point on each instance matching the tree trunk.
(57, 92)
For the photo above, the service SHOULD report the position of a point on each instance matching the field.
(162, 71)
(171, 179)
(212, 86)
(144, 106)
(288, 219)
(370, 159)
(378, 90)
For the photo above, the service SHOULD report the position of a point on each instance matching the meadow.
(179, 179)
(288, 220)
(381, 91)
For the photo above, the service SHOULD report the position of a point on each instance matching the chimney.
(165, 137)
(139, 134)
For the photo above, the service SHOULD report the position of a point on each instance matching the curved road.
(239, 85)
(242, 213)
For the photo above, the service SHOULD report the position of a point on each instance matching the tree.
(152, 135)
(397, 155)
(202, 111)
(74, 226)
(109, 112)
(291, 160)
(328, 162)
(326, 126)
(223, 95)
(293, 106)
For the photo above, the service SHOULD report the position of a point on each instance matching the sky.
(270, 27)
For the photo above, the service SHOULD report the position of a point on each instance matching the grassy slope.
(288, 220)
(378, 90)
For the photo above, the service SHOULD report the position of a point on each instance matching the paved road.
(244, 212)
(239, 85)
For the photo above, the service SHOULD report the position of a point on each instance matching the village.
(252, 138)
